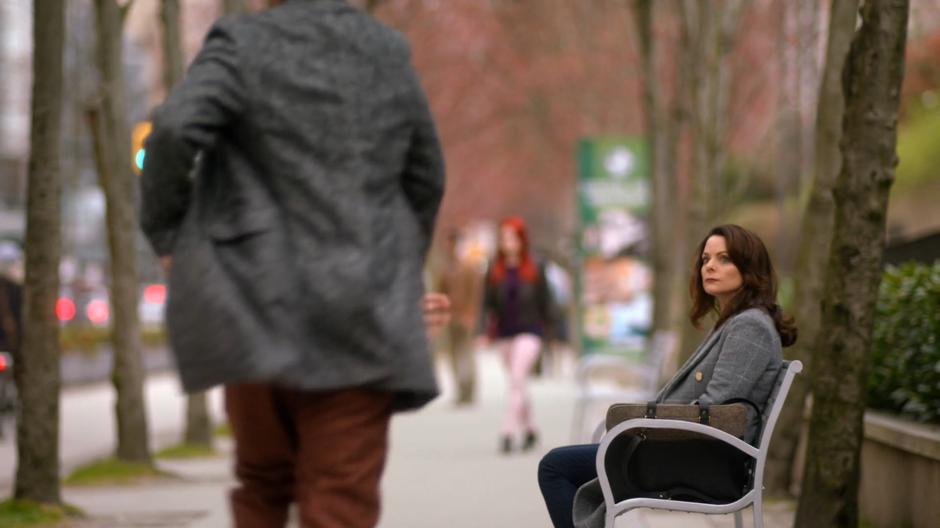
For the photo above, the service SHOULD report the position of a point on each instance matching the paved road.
(82, 368)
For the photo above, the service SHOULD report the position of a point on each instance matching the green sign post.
(614, 277)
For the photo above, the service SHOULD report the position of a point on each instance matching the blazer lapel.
(690, 364)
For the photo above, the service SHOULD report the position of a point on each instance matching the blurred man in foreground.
(296, 251)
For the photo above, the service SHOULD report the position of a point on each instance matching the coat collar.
(693, 360)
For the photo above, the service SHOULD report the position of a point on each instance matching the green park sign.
(614, 277)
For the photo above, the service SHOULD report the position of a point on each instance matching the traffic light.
(138, 153)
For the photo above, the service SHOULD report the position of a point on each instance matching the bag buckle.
(703, 414)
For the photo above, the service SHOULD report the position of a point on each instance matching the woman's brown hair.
(758, 282)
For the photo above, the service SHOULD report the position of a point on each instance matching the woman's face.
(720, 277)
(509, 241)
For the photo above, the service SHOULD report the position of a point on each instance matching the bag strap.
(703, 411)
(745, 401)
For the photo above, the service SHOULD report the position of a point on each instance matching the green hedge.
(905, 375)
(918, 150)
(84, 338)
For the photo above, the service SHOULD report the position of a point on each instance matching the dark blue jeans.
(697, 470)
(561, 472)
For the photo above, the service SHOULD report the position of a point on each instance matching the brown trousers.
(323, 450)
(463, 364)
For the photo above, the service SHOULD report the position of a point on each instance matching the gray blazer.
(299, 236)
(741, 359)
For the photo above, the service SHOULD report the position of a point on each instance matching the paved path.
(87, 425)
(444, 469)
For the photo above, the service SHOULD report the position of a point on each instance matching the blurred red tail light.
(155, 294)
(65, 309)
(98, 311)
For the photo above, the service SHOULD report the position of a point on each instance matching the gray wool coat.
(740, 359)
(294, 175)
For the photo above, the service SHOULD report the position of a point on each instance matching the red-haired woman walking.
(516, 306)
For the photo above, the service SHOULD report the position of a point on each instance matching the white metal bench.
(754, 497)
(613, 366)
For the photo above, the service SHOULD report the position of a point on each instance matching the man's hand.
(436, 307)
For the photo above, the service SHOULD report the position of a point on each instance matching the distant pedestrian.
(11, 326)
(11, 298)
(296, 249)
(517, 307)
(462, 282)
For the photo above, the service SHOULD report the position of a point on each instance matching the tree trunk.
(198, 422)
(661, 175)
(172, 43)
(112, 149)
(710, 33)
(676, 125)
(808, 70)
(37, 353)
(696, 211)
(788, 127)
(701, 22)
(815, 235)
(230, 7)
(721, 90)
(871, 86)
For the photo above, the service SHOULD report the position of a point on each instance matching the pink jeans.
(519, 355)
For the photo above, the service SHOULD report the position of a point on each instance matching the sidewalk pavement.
(444, 471)
(87, 429)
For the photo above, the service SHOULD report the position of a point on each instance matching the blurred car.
(152, 305)
(92, 306)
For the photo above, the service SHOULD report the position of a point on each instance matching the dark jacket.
(299, 239)
(534, 302)
(11, 315)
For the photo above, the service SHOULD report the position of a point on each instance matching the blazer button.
(699, 376)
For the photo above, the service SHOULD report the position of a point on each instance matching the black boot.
(531, 438)
(505, 444)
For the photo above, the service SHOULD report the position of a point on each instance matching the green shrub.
(83, 338)
(905, 375)
(918, 150)
(88, 339)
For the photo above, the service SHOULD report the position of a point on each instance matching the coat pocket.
(252, 251)
(234, 226)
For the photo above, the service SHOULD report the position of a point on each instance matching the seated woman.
(739, 359)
